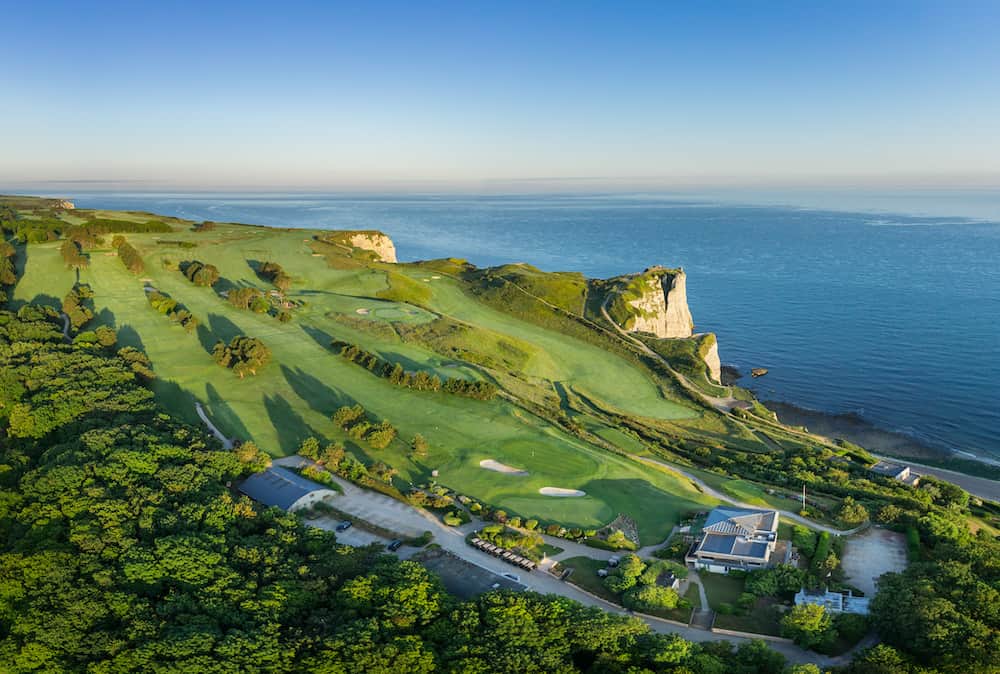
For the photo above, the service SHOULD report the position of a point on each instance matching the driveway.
(871, 554)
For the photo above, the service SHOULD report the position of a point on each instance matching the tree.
(852, 513)
(808, 625)
(347, 415)
(888, 514)
(332, 455)
(309, 448)
(245, 355)
(419, 447)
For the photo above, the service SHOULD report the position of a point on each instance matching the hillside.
(562, 395)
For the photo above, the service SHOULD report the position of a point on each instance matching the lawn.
(294, 396)
(763, 618)
(585, 576)
(721, 588)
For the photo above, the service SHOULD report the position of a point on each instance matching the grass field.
(585, 576)
(294, 396)
(721, 588)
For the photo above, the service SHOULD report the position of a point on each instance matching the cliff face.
(711, 358)
(656, 302)
(377, 242)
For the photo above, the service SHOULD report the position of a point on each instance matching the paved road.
(354, 499)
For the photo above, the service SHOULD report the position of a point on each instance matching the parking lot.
(872, 553)
(463, 578)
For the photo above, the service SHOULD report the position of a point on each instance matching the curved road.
(355, 499)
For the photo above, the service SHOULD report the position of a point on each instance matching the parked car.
(395, 545)
(346, 524)
(511, 576)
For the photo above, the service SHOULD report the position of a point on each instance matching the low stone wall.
(752, 635)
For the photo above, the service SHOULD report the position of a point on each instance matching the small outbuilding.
(896, 471)
(284, 488)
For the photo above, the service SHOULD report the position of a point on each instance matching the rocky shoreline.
(897, 445)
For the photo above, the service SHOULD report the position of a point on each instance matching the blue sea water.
(891, 315)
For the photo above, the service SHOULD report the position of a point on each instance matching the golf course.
(341, 295)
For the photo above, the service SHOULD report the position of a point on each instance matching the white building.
(834, 602)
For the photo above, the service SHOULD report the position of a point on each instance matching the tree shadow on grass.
(127, 336)
(223, 416)
(289, 425)
(219, 328)
(320, 397)
(321, 337)
(177, 399)
(104, 317)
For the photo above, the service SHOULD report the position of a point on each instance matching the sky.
(499, 96)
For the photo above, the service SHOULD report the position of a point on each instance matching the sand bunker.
(490, 464)
(435, 278)
(560, 492)
(362, 311)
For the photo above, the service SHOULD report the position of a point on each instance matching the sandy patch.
(435, 278)
(490, 464)
(560, 492)
(362, 311)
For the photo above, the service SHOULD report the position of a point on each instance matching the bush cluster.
(130, 258)
(170, 308)
(245, 355)
(378, 434)
(199, 273)
(420, 381)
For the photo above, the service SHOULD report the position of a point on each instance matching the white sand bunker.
(560, 492)
(362, 311)
(490, 464)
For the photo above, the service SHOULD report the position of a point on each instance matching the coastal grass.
(293, 397)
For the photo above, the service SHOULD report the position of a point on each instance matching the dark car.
(346, 524)
(395, 545)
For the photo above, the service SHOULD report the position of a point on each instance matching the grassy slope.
(294, 396)
(585, 367)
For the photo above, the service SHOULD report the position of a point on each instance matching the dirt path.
(226, 442)
(66, 328)
(721, 404)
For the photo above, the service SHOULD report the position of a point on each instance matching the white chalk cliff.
(376, 242)
(711, 358)
(661, 308)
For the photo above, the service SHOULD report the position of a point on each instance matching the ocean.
(890, 310)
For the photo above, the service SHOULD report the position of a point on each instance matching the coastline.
(978, 476)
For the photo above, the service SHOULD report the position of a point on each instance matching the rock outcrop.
(655, 302)
(377, 242)
(710, 355)
(66, 205)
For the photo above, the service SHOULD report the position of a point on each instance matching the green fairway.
(294, 396)
(594, 371)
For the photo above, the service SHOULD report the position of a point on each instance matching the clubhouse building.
(738, 538)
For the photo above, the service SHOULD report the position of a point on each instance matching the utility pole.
(803, 496)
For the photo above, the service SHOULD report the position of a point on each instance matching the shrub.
(130, 258)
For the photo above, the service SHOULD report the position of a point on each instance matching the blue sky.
(500, 95)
